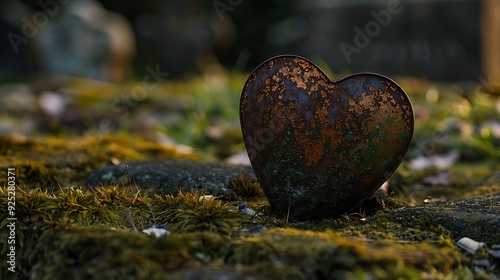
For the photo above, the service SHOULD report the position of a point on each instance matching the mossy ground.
(68, 230)
(85, 234)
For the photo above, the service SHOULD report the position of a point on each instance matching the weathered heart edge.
(322, 71)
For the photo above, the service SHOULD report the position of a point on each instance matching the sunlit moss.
(45, 161)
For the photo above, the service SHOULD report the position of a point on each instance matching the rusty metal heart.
(318, 147)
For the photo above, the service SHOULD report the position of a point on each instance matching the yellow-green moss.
(42, 161)
(86, 233)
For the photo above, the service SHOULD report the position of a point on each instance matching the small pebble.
(470, 245)
(157, 231)
(243, 208)
(206, 198)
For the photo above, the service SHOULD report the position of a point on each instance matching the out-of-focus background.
(172, 71)
(88, 86)
(110, 40)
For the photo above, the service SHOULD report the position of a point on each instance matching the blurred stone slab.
(169, 176)
(475, 217)
(420, 38)
(86, 40)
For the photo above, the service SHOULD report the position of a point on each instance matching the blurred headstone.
(86, 40)
(437, 39)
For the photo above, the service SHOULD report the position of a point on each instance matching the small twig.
(137, 194)
(92, 190)
(152, 213)
(21, 190)
(129, 217)
(59, 185)
(128, 176)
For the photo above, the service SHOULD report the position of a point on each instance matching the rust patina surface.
(319, 147)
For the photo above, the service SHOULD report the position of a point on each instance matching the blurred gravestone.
(87, 41)
(443, 40)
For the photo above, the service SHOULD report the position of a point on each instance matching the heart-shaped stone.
(319, 148)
